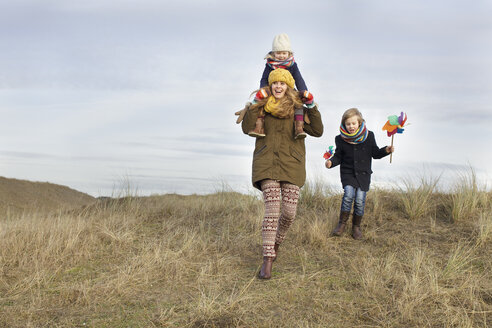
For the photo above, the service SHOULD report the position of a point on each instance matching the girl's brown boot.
(299, 130)
(356, 232)
(259, 130)
(342, 222)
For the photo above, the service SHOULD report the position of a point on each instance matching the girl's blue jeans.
(356, 196)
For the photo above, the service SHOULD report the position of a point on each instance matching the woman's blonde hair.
(352, 112)
(287, 104)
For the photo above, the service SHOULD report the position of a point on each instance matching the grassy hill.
(17, 196)
(191, 261)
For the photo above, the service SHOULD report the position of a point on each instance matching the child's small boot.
(342, 222)
(356, 232)
(259, 130)
(299, 129)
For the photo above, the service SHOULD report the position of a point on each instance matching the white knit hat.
(281, 42)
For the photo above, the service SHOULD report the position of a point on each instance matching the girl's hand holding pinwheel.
(327, 155)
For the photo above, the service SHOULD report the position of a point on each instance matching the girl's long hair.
(287, 104)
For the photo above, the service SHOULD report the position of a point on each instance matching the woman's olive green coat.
(279, 156)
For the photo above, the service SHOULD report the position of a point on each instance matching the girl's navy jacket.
(355, 160)
(294, 70)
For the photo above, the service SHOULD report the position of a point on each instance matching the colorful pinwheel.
(394, 125)
(329, 153)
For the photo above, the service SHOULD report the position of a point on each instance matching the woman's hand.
(390, 149)
(328, 163)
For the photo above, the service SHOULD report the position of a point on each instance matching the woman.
(279, 165)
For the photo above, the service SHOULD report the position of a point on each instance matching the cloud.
(28, 155)
(150, 88)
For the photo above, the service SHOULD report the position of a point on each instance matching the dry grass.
(191, 261)
(468, 197)
(416, 199)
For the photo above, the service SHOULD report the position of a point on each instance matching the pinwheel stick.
(391, 155)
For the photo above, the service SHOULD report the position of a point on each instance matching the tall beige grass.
(191, 261)
(484, 227)
(469, 196)
(416, 197)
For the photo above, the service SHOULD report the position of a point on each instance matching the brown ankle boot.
(299, 126)
(342, 222)
(356, 232)
(276, 250)
(259, 131)
(266, 268)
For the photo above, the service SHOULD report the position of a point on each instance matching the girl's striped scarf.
(357, 137)
(274, 64)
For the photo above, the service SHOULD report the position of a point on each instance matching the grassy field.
(191, 261)
(17, 196)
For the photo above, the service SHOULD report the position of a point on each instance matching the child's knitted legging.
(280, 210)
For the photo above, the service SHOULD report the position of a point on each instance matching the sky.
(104, 96)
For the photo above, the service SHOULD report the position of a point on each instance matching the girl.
(282, 56)
(279, 163)
(355, 149)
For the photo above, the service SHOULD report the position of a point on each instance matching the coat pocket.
(259, 151)
(296, 154)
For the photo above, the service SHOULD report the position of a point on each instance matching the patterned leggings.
(280, 210)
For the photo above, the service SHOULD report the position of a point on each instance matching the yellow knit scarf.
(272, 107)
